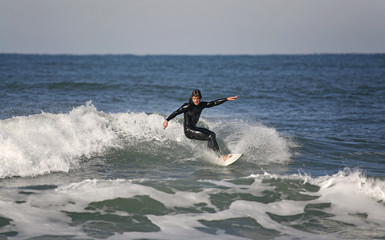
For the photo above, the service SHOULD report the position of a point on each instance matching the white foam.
(350, 195)
(45, 142)
(343, 181)
(139, 127)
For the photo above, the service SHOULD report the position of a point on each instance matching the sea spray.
(258, 143)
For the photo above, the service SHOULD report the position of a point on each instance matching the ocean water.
(83, 154)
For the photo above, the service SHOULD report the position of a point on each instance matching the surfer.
(192, 111)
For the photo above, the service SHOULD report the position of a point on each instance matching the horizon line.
(192, 55)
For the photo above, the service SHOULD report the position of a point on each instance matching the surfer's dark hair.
(196, 93)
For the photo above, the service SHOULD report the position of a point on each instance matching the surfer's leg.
(204, 134)
(212, 143)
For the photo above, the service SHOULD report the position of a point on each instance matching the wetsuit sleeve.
(215, 102)
(182, 109)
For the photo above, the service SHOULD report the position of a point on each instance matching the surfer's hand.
(232, 98)
(165, 124)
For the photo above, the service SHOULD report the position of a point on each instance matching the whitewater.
(243, 208)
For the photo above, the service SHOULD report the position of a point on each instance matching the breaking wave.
(45, 143)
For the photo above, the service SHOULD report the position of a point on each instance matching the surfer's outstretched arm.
(219, 101)
(180, 110)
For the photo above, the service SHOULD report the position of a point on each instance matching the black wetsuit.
(192, 113)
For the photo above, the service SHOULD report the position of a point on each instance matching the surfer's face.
(196, 100)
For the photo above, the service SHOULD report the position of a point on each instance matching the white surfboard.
(229, 161)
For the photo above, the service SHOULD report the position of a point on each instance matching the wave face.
(45, 143)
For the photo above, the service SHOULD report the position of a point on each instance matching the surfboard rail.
(234, 157)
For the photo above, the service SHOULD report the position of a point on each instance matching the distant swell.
(45, 143)
(81, 86)
(60, 85)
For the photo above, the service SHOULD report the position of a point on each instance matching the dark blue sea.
(83, 153)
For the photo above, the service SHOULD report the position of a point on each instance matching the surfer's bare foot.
(225, 157)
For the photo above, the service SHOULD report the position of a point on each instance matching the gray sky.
(192, 27)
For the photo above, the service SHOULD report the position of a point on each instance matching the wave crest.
(45, 142)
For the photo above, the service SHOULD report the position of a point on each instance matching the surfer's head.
(196, 93)
(196, 96)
